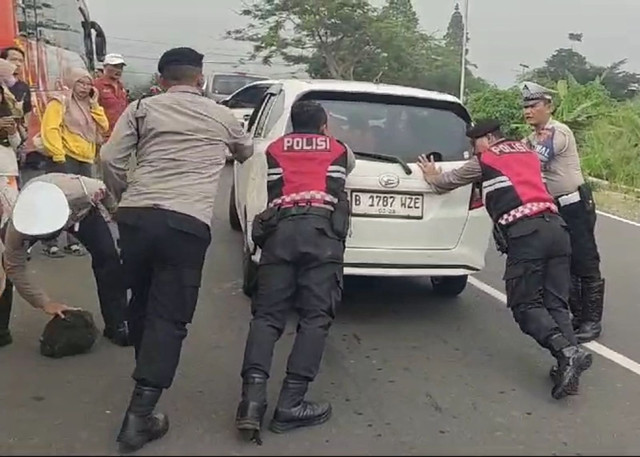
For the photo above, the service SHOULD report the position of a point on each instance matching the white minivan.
(399, 226)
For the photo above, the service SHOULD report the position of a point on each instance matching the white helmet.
(41, 209)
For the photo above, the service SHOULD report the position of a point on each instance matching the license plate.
(401, 206)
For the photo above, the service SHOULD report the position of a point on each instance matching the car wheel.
(234, 220)
(249, 273)
(449, 286)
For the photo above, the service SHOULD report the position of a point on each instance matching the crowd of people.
(162, 203)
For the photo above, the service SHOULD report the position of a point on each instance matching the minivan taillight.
(476, 197)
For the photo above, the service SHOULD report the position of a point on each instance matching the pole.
(463, 63)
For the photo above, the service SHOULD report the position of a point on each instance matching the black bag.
(264, 225)
(75, 334)
(341, 217)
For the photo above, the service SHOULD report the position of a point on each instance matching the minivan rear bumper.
(468, 257)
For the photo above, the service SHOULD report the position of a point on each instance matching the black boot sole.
(587, 337)
(125, 447)
(5, 340)
(282, 427)
(571, 389)
(559, 392)
(249, 430)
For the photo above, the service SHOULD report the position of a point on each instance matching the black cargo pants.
(301, 268)
(581, 219)
(163, 254)
(537, 277)
(94, 233)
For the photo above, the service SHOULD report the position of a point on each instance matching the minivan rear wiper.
(387, 158)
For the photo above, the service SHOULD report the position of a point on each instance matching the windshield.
(404, 131)
(228, 84)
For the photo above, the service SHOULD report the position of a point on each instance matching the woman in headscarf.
(72, 126)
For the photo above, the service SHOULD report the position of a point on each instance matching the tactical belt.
(569, 199)
(302, 210)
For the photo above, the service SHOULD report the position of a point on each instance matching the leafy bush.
(503, 105)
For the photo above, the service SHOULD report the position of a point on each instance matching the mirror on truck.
(100, 41)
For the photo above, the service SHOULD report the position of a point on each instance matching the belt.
(527, 210)
(569, 199)
(304, 210)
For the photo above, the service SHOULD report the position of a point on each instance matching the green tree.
(333, 33)
(350, 39)
(565, 61)
(455, 31)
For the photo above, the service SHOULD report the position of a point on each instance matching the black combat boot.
(293, 411)
(5, 337)
(572, 362)
(140, 424)
(592, 304)
(575, 302)
(118, 335)
(252, 407)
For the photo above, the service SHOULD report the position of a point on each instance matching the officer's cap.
(532, 93)
(41, 209)
(180, 56)
(483, 128)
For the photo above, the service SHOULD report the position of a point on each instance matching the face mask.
(11, 81)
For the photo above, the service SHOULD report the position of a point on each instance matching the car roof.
(333, 85)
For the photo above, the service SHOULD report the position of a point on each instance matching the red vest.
(305, 169)
(512, 181)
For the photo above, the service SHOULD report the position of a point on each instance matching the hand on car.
(428, 166)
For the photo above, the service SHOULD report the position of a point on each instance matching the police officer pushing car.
(302, 236)
(556, 146)
(178, 140)
(534, 237)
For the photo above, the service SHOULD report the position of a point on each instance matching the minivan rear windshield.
(399, 126)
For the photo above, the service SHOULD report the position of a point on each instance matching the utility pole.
(463, 64)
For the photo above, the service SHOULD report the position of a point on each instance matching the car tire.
(249, 273)
(449, 286)
(234, 219)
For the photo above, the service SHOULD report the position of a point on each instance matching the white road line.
(618, 218)
(598, 348)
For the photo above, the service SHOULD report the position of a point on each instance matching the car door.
(250, 177)
(243, 102)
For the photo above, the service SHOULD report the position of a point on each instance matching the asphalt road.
(407, 372)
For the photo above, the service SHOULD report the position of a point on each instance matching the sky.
(503, 33)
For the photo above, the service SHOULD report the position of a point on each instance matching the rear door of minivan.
(392, 206)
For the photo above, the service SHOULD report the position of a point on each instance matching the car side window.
(264, 115)
(249, 97)
(275, 113)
